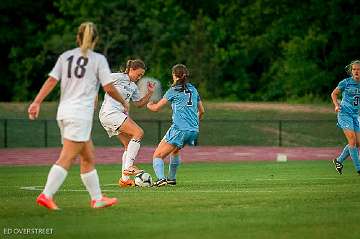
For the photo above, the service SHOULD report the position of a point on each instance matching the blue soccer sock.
(354, 153)
(344, 154)
(158, 165)
(173, 166)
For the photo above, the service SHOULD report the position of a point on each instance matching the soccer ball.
(143, 180)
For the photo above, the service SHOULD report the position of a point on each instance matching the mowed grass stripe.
(302, 199)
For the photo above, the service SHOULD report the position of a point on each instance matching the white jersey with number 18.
(80, 79)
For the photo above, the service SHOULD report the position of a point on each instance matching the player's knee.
(89, 160)
(175, 152)
(65, 161)
(158, 155)
(139, 134)
(87, 165)
(352, 142)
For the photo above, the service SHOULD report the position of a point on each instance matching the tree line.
(248, 50)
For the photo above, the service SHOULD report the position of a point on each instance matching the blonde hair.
(348, 68)
(87, 37)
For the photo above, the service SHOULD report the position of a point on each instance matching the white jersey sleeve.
(127, 89)
(56, 71)
(104, 73)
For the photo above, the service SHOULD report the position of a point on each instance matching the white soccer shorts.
(112, 122)
(77, 130)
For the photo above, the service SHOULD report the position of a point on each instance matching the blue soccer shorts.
(180, 138)
(348, 121)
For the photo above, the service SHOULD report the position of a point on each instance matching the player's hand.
(337, 108)
(34, 110)
(151, 86)
(150, 104)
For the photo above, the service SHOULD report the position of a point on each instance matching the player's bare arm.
(334, 98)
(143, 101)
(34, 108)
(201, 110)
(155, 107)
(111, 90)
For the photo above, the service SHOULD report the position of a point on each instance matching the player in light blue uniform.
(348, 113)
(187, 111)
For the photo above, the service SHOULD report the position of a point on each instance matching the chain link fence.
(16, 133)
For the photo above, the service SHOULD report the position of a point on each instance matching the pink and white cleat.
(103, 202)
(44, 201)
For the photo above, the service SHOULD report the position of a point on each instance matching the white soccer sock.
(55, 179)
(124, 177)
(132, 151)
(92, 184)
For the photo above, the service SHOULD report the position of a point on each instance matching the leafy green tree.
(21, 39)
(235, 50)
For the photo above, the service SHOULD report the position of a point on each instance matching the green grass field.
(297, 199)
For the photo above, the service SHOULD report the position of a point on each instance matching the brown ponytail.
(181, 73)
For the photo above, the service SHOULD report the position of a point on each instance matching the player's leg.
(174, 164)
(131, 128)
(161, 152)
(357, 163)
(189, 138)
(58, 173)
(90, 177)
(112, 122)
(345, 122)
(88, 172)
(344, 154)
(124, 181)
(338, 162)
(351, 136)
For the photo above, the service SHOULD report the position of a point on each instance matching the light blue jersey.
(349, 106)
(184, 129)
(350, 103)
(184, 104)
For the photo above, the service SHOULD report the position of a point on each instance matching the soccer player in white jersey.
(116, 121)
(80, 71)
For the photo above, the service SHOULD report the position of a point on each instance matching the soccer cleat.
(132, 170)
(171, 181)
(338, 166)
(160, 182)
(103, 202)
(42, 200)
(126, 183)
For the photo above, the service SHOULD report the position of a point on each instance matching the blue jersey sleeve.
(342, 85)
(170, 95)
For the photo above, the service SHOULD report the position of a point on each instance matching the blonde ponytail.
(87, 37)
